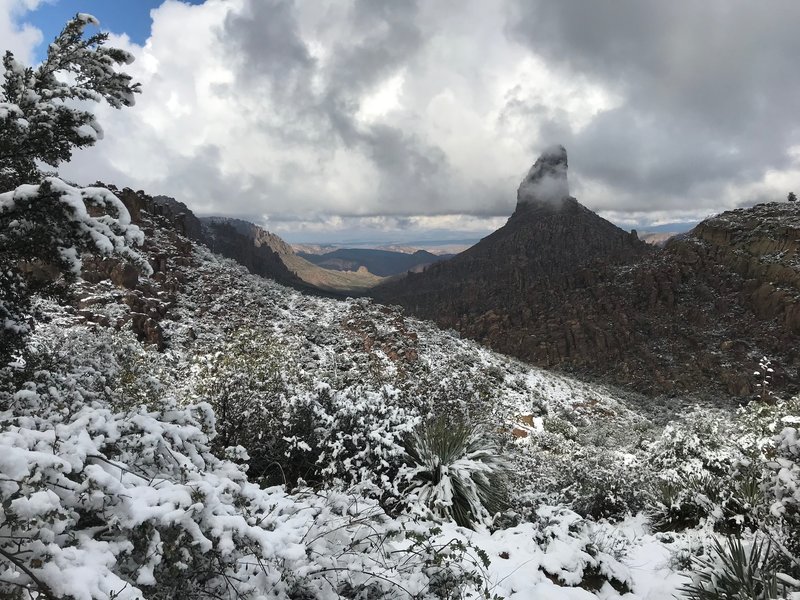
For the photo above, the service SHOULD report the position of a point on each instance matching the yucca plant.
(675, 504)
(732, 572)
(457, 472)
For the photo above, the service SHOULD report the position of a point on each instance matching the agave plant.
(732, 572)
(457, 472)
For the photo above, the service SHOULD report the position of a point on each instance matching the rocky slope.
(560, 287)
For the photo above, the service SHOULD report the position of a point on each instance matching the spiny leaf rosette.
(458, 473)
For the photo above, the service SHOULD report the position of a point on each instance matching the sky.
(396, 120)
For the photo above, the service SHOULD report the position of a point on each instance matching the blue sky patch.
(118, 16)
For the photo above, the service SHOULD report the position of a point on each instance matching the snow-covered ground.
(114, 484)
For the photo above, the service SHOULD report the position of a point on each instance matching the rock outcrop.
(547, 179)
(560, 287)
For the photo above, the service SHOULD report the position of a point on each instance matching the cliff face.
(231, 237)
(260, 251)
(560, 287)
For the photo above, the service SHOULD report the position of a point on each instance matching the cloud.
(708, 99)
(401, 117)
(19, 37)
(301, 112)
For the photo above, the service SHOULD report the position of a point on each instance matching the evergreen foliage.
(45, 228)
(43, 114)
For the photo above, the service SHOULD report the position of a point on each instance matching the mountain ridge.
(560, 287)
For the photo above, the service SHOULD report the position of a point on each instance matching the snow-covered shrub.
(44, 230)
(358, 437)
(560, 467)
(683, 501)
(559, 529)
(729, 503)
(605, 484)
(782, 488)
(243, 378)
(559, 426)
(300, 430)
(456, 473)
(103, 498)
(144, 373)
(700, 476)
(700, 443)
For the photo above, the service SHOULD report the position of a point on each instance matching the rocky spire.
(547, 179)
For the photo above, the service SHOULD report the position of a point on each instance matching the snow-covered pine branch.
(42, 111)
(48, 227)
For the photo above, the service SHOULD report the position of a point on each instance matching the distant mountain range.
(383, 263)
(438, 247)
(226, 231)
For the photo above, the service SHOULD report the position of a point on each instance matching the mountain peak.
(546, 180)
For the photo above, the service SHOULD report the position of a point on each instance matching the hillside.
(383, 263)
(238, 233)
(219, 419)
(560, 287)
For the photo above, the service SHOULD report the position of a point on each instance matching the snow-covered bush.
(44, 229)
(700, 443)
(456, 473)
(297, 429)
(41, 115)
(695, 462)
(104, 499)
(558, 529)
(359, 437)
(243, 378)
(782, 489)
(559, 466)
(605, 484)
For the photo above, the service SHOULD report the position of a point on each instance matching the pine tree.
(38, 117)
(46, 224)
(792, 197)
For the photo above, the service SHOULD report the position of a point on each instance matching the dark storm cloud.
(268, 47)
(391, 37)
(264, 39)
(709, 90)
